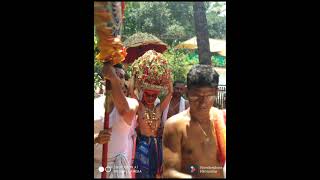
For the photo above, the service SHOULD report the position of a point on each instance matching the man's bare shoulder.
(178, 120)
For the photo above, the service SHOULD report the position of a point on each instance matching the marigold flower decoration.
(108, 18)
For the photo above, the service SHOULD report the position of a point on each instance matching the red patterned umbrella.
(139, 43)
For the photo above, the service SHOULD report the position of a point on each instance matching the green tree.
(174, 32)
(178, 63)
(182, 14)
(150, 17)
(171, 21)
(216, 20)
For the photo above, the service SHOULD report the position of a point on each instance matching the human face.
(150, 96)
(178, 90)
(201, 99)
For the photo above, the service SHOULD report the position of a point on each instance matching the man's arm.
(101, 136)
(172, 151)
(131, 88)
(119, 99)
(167, 99)
(133, 108)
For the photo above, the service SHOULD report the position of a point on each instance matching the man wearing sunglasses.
(194, 140)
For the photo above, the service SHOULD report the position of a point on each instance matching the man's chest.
(173, 109)
(203, 156)
(198, 145)
(199, 150)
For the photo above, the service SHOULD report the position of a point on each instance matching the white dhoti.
(118, 167)
(97, 174)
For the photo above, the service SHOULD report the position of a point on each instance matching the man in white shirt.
(120, 121)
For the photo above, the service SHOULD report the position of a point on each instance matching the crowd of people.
(180, 136)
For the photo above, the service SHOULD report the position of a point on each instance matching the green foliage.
(216, 20)
(182, 15)
(97, 66)
(150, 17)
(171, 21)
(178, 63)
(216, 26)
(129, 71)
(173, 32)
(97, 81)
(218, 61)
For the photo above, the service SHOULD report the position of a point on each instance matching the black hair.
(202, 75)
(178, 81)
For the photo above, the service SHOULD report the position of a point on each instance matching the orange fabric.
(220, 129)
(224, 115)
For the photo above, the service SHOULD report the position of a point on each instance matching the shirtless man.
(177, 103)
(192, 147)
(148, 155)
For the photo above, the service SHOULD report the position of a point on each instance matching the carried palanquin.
(151, 71)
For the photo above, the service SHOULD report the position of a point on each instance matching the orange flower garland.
(108, 19)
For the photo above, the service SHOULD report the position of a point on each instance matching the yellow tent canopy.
(216, 45)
